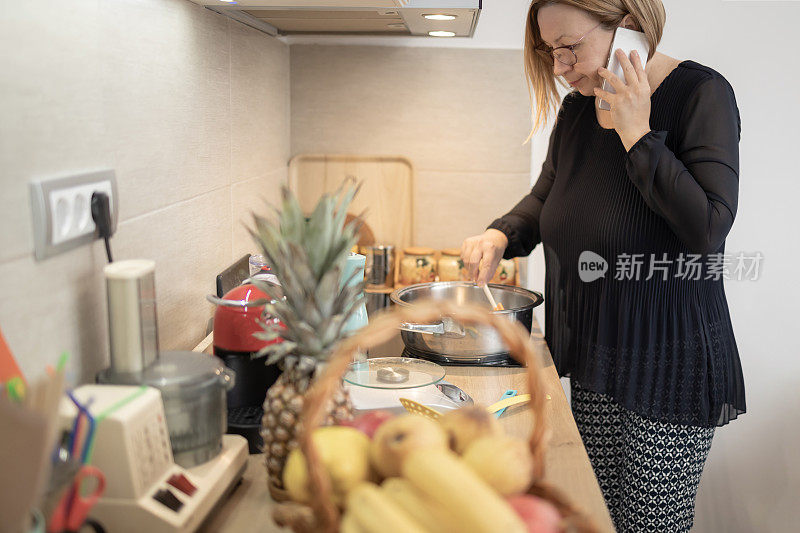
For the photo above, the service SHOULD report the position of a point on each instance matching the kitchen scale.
(145, 489)
(380, 382)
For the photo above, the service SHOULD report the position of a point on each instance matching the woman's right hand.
(482, 253)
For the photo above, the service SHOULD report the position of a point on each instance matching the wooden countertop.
(249, 507)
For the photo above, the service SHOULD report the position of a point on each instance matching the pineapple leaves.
(308, 255)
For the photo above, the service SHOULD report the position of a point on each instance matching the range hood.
(438, 18)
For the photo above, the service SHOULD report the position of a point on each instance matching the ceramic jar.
(418, 266)
(505, 272)
(450, 266)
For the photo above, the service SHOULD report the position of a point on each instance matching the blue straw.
(82, 410)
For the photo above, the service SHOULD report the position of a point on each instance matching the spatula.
(495, 306)
(418, 409)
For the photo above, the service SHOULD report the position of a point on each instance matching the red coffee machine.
(235, 321)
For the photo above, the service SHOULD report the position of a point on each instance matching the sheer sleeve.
(695, 189)
(521, 224)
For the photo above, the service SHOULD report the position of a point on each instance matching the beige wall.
(190, 109)
(460, 115)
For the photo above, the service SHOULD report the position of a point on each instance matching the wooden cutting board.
(387, 189)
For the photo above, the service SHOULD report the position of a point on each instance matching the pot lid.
(393, 373)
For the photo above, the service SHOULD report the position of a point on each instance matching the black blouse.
(653, 331)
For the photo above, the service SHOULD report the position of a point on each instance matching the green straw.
(105, 414)
(15, 389)
(62, 361)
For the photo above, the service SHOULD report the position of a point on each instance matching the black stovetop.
(503, 360)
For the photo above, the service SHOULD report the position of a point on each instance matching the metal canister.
(377, 301)
(379, 269)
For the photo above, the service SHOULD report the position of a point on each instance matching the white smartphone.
(628, 40)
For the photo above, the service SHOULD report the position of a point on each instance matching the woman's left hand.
(630, 106)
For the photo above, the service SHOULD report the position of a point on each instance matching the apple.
(368, 423)
(468, 424)
(400, 436)
(540, 516)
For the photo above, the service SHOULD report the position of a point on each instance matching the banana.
(434, 518)
(374, 512)
(349, 524)
(447, 481)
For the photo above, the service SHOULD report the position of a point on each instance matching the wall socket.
(62, 216)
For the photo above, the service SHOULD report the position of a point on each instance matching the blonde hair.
(649, 15)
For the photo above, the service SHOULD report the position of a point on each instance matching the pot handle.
(227, 378)
(447, 327)
(428, 329)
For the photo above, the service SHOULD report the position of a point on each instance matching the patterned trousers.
(648, 470)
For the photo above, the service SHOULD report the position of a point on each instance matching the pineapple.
(308, 256)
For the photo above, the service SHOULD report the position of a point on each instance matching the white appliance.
(145, 489)
(132, 324)
(353, 17)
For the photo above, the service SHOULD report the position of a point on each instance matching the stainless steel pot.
(451, 339)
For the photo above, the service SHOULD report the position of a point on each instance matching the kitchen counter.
(249, 507)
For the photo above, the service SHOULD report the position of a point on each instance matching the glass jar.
(418, 266)
(505, 272)
(450, 266)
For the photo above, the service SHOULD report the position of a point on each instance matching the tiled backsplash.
(190, 108)
(460, 115)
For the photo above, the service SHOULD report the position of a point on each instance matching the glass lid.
(393, 373)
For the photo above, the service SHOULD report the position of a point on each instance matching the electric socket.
(62, 215)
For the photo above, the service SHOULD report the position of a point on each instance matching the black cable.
(101, 214)
(108, 249)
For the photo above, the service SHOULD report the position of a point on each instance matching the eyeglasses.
(564, 54)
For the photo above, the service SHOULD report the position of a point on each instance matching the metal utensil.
(455, 393)
(447, 327)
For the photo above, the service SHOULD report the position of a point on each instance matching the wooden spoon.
(495, 306)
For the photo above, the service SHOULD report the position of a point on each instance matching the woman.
(647, 186)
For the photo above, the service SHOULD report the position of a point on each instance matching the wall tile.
(166, 100)
(51, 118)
(445, 108)
(450, 206)
(53, 306)
(190, 243)
(248, 197)
(60, 304)
(259, 103)
(144, 87)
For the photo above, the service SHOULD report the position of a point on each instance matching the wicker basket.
(323, 515)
